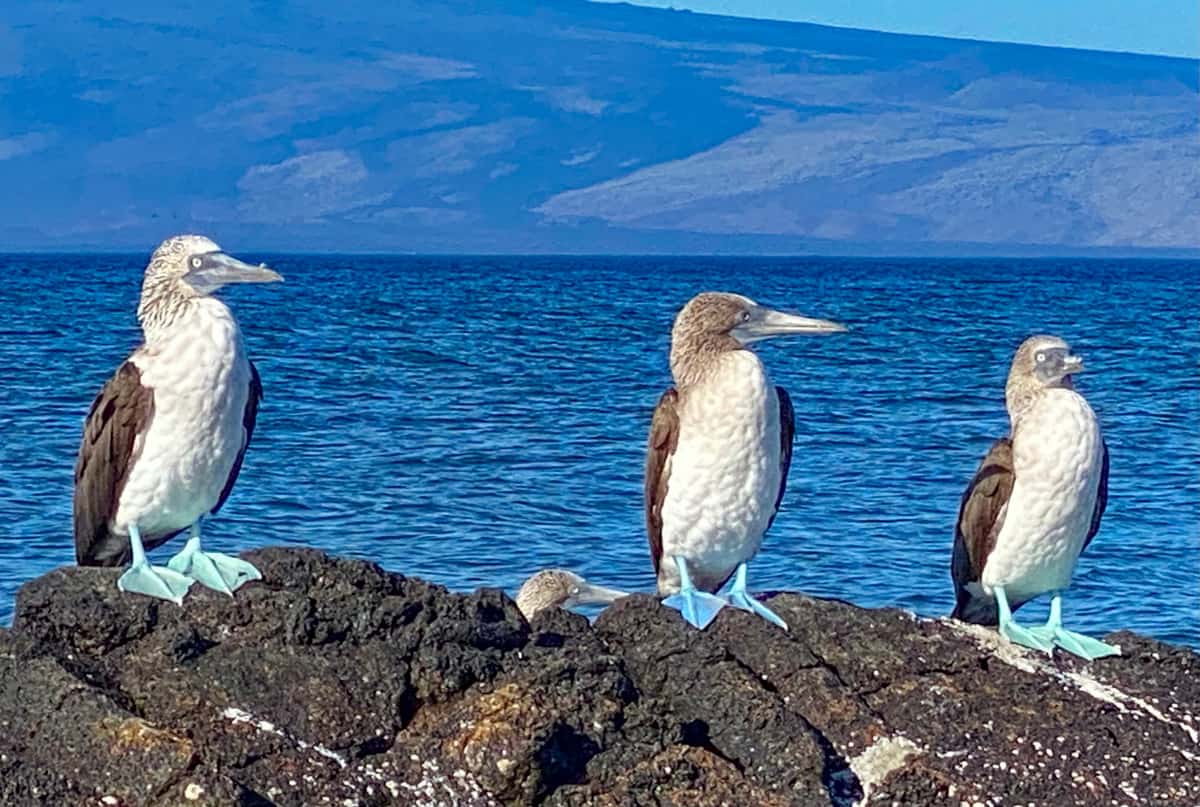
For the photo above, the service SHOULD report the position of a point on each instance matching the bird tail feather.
(976, 610)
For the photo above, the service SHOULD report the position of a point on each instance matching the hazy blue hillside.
(515, 126)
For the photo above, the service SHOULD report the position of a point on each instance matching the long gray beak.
(1072, 364)
(587, 594)
(217, 269)
(765, 323)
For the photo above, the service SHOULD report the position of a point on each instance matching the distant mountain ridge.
(577, 127)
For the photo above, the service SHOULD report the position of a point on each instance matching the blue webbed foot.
(1029, 637)
(740, 598)
(699, 608)
(154, 581)
(1083, 646)
(1009, 629)
(215, 570)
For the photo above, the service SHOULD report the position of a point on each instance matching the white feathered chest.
(724, 474)
(1057, 462)
(200, 377)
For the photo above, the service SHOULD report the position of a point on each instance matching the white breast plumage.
(724, 475)
(200, 377)
(1057, 461)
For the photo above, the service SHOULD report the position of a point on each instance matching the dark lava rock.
(334, 682)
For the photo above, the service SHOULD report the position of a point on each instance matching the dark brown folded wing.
(249, 416)
(664, 437)
(1101, 501)
(121, 411)
(787, 433)
(980, 517)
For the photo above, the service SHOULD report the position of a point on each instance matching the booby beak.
(765, 323)
(1072, 364)
(587, 594)
(217, 269)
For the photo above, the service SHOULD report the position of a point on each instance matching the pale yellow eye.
(196, 263)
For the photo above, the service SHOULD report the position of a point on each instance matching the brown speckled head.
(1041, 362)
(558, 588)
(713, 323)
(185, 267)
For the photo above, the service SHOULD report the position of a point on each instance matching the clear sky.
(1169, 27)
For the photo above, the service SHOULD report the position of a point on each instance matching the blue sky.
(1170, 27)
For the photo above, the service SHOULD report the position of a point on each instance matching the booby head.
(188, 266)
(1041, 362)
(558, 588)
(715, 322)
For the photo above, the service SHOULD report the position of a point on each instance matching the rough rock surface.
(334, 682)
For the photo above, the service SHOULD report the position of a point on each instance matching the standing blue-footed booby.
(1035, 503)
(719, 451)
(164, 440)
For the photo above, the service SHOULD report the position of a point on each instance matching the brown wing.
(1101, 501)
(980, 516)
(121, 411)
(787, 432)
(664, 436)
(249, 416)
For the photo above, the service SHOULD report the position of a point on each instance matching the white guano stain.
(1030, 662)
(240, 716)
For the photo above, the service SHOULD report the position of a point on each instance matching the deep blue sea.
(472, 420)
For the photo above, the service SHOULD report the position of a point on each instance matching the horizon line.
(1133, 253)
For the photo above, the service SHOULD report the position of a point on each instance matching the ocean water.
(472, 420)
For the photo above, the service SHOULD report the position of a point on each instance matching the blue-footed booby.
(164, 440)
(719, 451)
(559, 588)
(1034, 504)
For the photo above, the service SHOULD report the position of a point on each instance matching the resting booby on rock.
(558, 588)
(1035, 503)
(164, 440)
(719, 451)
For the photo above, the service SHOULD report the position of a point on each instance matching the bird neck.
(165, 304)
(1022, 394)
(694, 357)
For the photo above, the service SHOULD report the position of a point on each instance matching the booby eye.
(1041, 357)
(744, 317)
(574, 591)
(196, 262)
